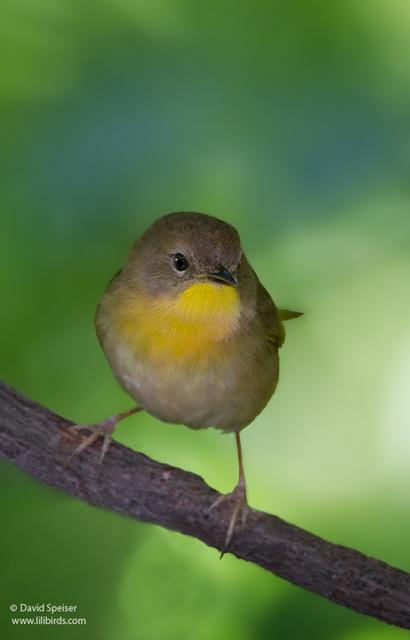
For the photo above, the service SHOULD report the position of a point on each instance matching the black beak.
(223, 276)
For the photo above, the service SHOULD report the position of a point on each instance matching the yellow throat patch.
(188, 324)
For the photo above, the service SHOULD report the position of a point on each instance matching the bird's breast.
(186, 326)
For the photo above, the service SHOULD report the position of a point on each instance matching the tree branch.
(132, 484)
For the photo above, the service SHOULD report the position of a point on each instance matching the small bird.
(191, 334)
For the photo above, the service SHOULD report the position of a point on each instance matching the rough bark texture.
(132, 484)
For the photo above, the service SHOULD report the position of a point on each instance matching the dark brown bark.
(132, 484)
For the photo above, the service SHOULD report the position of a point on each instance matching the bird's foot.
(103, 429)
(239, 512)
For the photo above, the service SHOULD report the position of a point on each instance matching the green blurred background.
(291, 121)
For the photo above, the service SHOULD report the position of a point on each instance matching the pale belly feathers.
(192, 363)
(227, 391)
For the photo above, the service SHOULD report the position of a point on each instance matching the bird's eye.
(180, 262)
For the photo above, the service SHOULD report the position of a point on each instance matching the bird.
(192, 335)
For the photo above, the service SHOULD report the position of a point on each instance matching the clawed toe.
(239, 513)
(103, 429)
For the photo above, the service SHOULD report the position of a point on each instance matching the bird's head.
(184, 249)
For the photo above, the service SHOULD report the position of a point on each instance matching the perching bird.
(191, 334)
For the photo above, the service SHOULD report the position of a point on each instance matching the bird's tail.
(286, 314)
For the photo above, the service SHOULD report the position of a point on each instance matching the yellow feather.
(188, 325)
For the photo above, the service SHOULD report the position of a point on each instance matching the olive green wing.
(269, 317)
(273, 318)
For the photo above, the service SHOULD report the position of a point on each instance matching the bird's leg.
(238, 496)
(105, 429)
